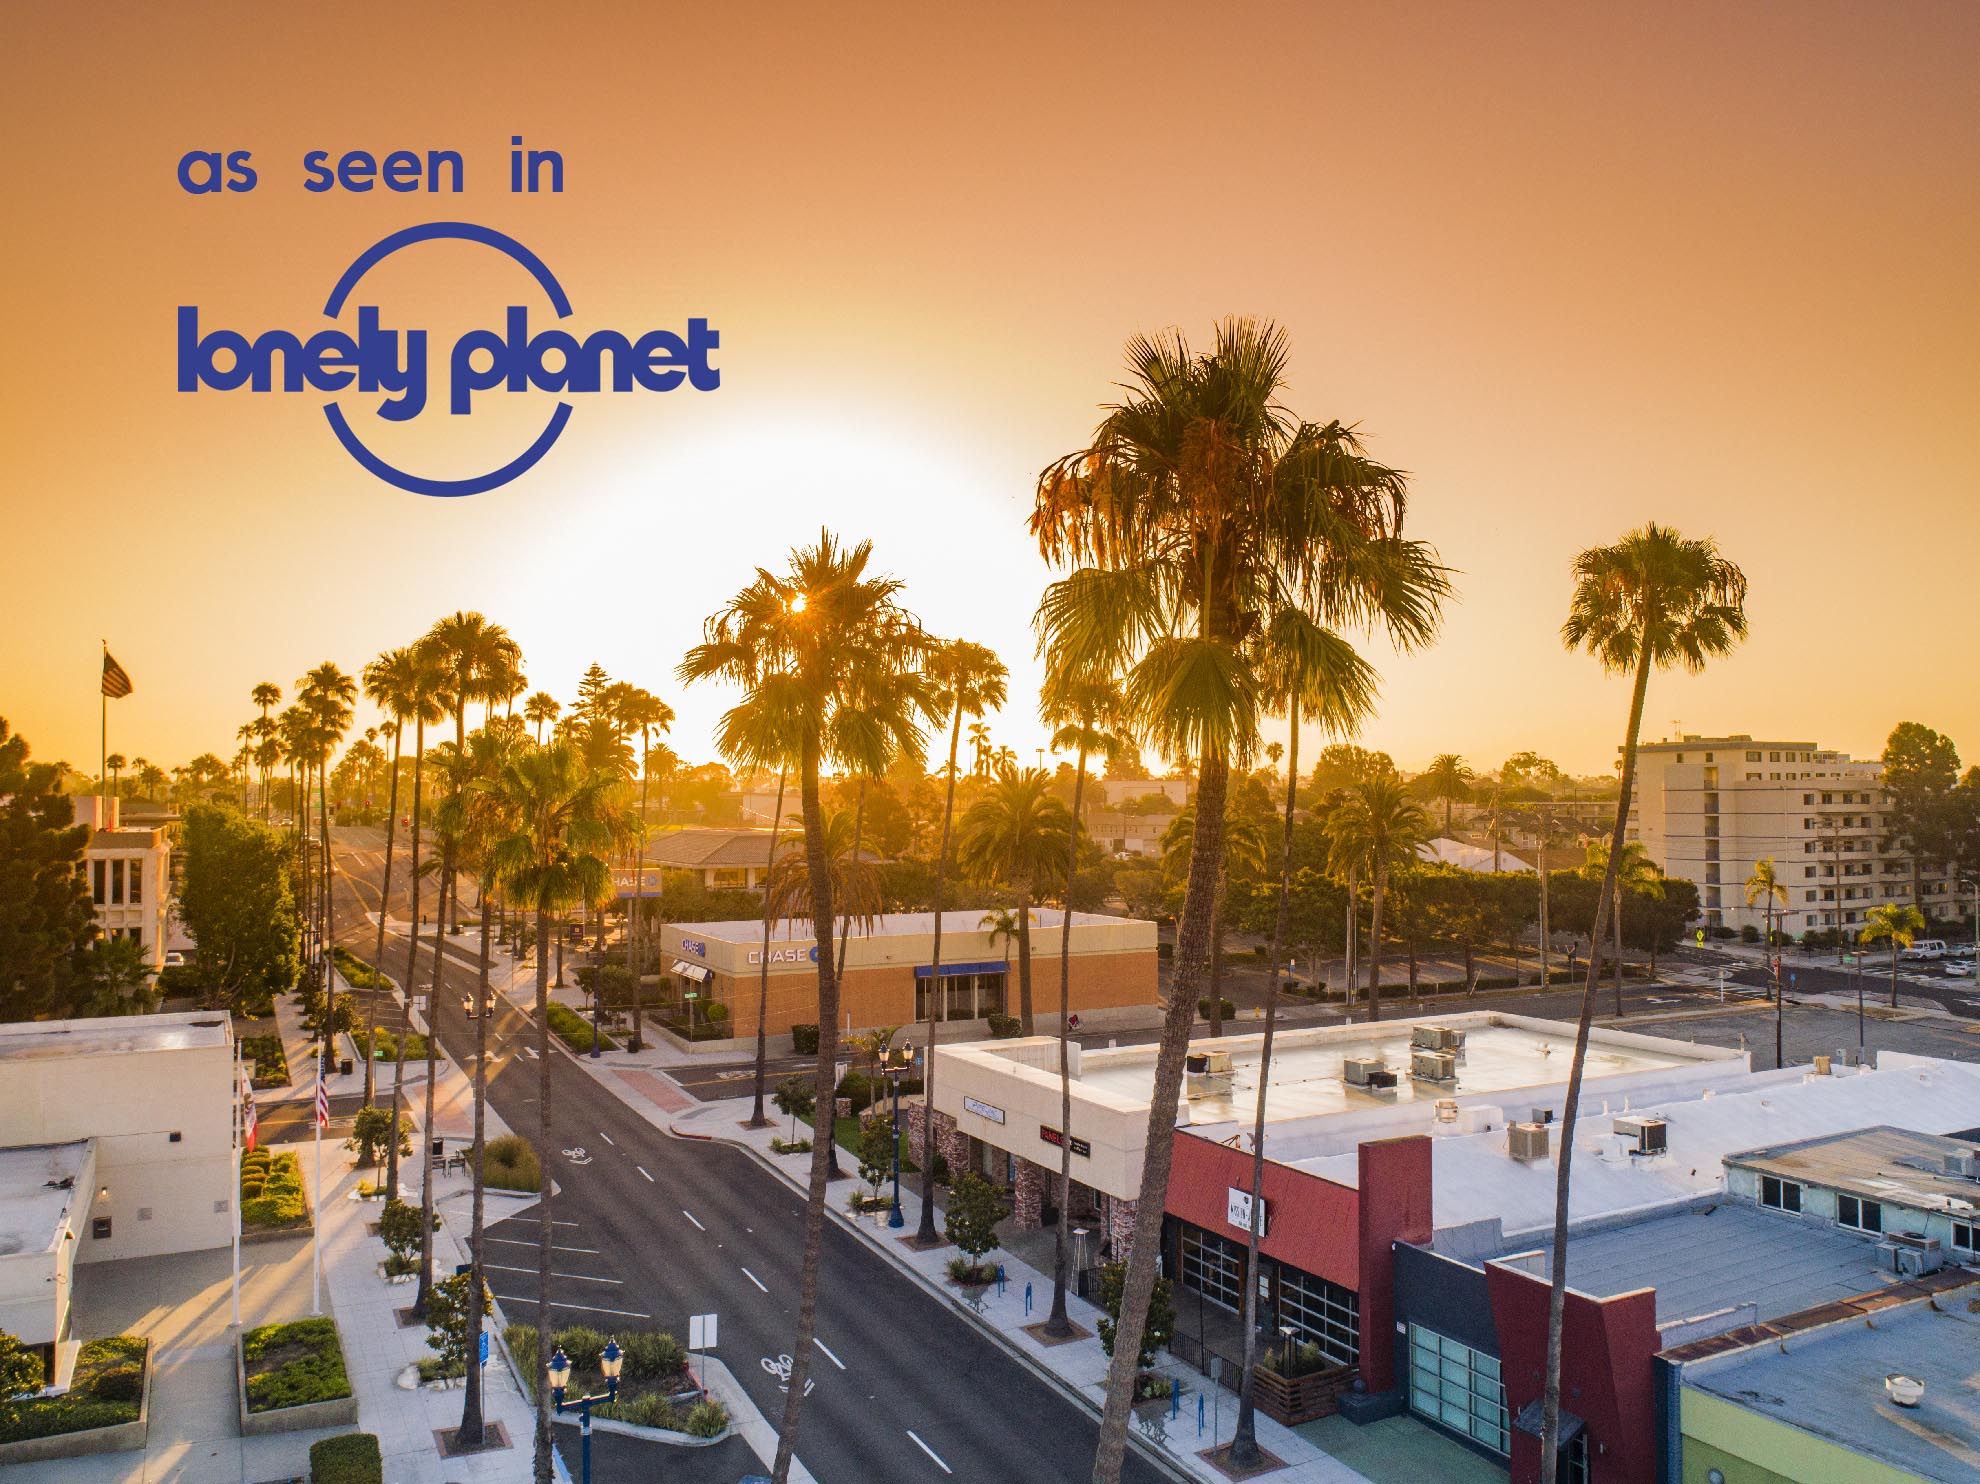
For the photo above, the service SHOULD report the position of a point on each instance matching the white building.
(1709, 808)
(129, 872)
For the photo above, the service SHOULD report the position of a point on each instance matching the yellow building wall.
(1751, 1449)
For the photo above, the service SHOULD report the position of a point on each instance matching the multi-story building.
(129, 871)
(1710, 808)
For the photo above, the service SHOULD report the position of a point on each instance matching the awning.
(697, 972)
(1531, 1416)
(988, 966)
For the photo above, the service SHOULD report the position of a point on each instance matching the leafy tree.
(975, 1208)
(1161, 1325)
(401, 1228)
(1899, 924)
(369, 1131)
(237, 902)
(46, 920)
(795, 1099)
(1921, 769)
(1343, 764)
(876, 1150)
(453, 1324)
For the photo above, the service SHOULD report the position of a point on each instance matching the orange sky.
(1572, 266)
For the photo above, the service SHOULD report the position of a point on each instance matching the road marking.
(690, 1216)
(754, 1279)
(495, 1267)
(828, 1354)
(642, 1170)
(516, 1298)
(930, 1452)
(530, 1052)
(608, 1138)
(519, 1242)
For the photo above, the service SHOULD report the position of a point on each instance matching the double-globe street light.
(610, 1360)
(895, 1062)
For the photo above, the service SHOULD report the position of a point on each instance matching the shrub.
(1161, 1326)
(521, 1340)
(292, 1365)
(371, 1129)
(272, 1210)
(804, 1040)
(962, 1270)
(790, 1146)
(575, 1031)
(651, 1355)
(349, 1458)
(511, 1164)
(451, 1321)
(857, 1088)
(707, 1419)
(648, 1409)
(271, 1063)
(1003, 1027)
(1225, 1008)
(119, 1383)
(581, 1344)
(715, 1012)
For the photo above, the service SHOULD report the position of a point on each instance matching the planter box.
(118, 1438)
(634, 1430)
(1300, 1399)
(343, 1412)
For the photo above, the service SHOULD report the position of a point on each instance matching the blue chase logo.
(511, 359)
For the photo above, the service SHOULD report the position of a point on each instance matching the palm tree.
(114, 764)
(1448, 779)
(1016, 834)
(426, 698)
(856, 897)
(1244, 843)
(1635, 873)
(540, 708)
(1303, 666)
(975, 681)
(1898, 923)
(824, 626)
(979, 741)
(391, 682)
(1653, 600)
(1764, 886)
(327, 693)
(639, 710)
(478, 662)
(557, 826)
(1080, 708)
(265, 695)
(151, 778)
(1376, 829)
(1198, 511)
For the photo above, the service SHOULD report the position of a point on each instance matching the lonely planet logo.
(377, 358)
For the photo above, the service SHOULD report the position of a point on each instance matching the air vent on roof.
(1540, 1115)
(1432, 1066)
(1906, 1391)
(1962, 1164)
(1528, 1141)
(1436, 1038)
(1355, 1070)
(1647, 1134)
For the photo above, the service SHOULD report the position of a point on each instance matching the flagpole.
(316, 1222)
(239, 1074)
(103, 752)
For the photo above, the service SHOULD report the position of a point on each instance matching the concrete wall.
(1751, 1449)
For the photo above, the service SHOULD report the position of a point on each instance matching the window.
(1779, 1195)
(116, 883)
(1808, 874)
(1325, 1314)
(1575, 1470)
(1966, 1236)
(1859, 1215)
(98, 874)
(1708, 757)
(1773, 757)
(1213, 1267)
(1753, 757)
(1457, 1387)
(137, 882)
(962, 996)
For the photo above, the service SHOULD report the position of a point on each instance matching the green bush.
(804, 1040)
(582, 1345)
(1226, 1009)
(272, 1210)
(859, 1088)
(648, 1409)
(271, 1063)
(349, 1458)
(357, 973)
(292, 1365)
(715, 1012)
(575, 1031)
(707, 1419)
(1003, 1027)
(652, 1355)
(521, 1340)
(511, 1164)
(120, 1383)
(104, 1390)
(1161, 1325)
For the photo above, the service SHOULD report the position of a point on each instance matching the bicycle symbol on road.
(781, 1369)
(578, 1156)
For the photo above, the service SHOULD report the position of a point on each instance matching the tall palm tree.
(1200, 509)
(479, 662)
(557, 829)
(328, 694)
(1652, 600)
(1635, 873)
(1899, 924)
(426, 699)
(979, 741)
(1303, 667)
(1244, 844)
(1376, 829)
(293, 729)
(1764, 886)
(389, 684)
(115, 763)
(1081, 709)
(827, 626)
(1017, 834)
(639, 711)
(1448, 779)
(975, 681)
(540, 708)
(265, 695)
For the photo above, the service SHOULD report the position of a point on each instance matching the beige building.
(1129, 834)
(129, 871)
(1710, 808)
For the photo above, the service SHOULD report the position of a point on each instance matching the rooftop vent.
(1528, 1141)
(1355, 1070)
(1647, 1135)
(1432, 1066)
(1906, 1391)
(1962, 1164)
(1436, 1038)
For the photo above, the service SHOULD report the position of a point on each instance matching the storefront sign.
(1051, 1136)
(695, 946)
(1237, 1211)
(983, 1110)
(786, 955)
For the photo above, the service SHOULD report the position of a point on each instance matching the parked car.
(1959, 970)
(174, 959)
(1924, 951)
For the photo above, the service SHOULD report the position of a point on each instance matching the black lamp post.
(609, 1362)
(894, 1064)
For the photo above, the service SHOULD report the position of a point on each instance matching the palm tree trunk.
(1375, 941)
(378, 958)
(925, 1232)
(756, 1118)
(1058, 1324)
(1617, 915)
(1192, 952)
(449, 888)
(1024, 956)
(541, 1467)
(633, 953)
(1216, 1016)
(1550, 1419)
(1546, 945)
(822, 922)
(1894, 963)
(329, 937)
(852, 871)
(1244, 1441)
(412, 966)
(470, 1433)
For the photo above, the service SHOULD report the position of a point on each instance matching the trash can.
(344, 1066)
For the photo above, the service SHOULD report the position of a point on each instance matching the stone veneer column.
(952, 1144)
(1027, 1206)
(1120, 1226)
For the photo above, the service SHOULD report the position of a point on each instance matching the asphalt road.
(906, 1391)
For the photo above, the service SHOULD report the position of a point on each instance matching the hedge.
(804, 1040)
(349, 1458)
(575, 1031)
(106, 1389)
(292, 1365)
(357, 973)
(271, 1063)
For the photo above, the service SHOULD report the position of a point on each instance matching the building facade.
(1711, 808)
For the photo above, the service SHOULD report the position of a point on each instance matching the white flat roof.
(114, 1035)
(748, 932)
(37, 1185)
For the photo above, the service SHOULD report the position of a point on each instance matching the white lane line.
(516, 1298)
(828, 1353)
(608, 1138)
(930, 1452)
(519, 1242)
(754, 1279)
(690, 1216)
(530, 1052)
(496, 1267)
(642, 1170)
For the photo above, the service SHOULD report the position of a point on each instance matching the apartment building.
(1709, 808)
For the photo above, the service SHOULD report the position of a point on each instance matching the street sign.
(701, 1331)
(1701, 937)
(484, 1347)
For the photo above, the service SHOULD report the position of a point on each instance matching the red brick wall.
(1395, 1207)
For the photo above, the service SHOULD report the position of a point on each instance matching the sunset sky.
(1572, 266)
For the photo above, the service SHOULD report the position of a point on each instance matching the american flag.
(247, 1108)
(322, 1102)
(116, 681)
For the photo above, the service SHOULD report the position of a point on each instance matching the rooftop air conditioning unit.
(1382, 1078)
(1962, 1164)
(1529, 1141)
(1453, 1039)
(1540, 1115)
(1908, 1256)
(1436, 1038)
(1356, 1070)
(1648, 1133)
(1217, 1063)
(1432, 1066)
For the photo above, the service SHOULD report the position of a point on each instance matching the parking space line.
(495, 1267)
(930, 1452)
(754, 1279)
(608, 1138)
(690, 1216)
(642, 1170)
(519, 1242)
(516, 1298)
(828, 1353)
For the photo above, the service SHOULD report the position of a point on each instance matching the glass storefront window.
(1458, 1387)
(1213, 1267)
(1325, 1314)
(963, 996)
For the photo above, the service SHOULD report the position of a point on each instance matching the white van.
(1924, 951)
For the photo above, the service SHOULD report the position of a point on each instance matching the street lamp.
(894, 1063)
(610, 1361)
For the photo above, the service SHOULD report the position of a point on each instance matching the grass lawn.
(845, 1133)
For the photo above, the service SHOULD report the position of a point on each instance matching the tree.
(424, 697)
(1635, 874)
(267, 751)
(237, 903)
(975, 681)
(540, 708)
(46, 919)
(327, 694)
(1921, 769)
(1343, 764)
(1897, 923)
(390, 683)
(1157, 1331)
(639, 711)
(371, 1130)
(829, 633)
(795, 1099)
(1374, 832)
(1016, 834)
(876, 1149)
(1448, 779)
(1653, 600)
(116, 979)
(20, 1372)
(1245, 847)
(1764, 886)
(975, 1208)
(454, 1326)
(1198, 511)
